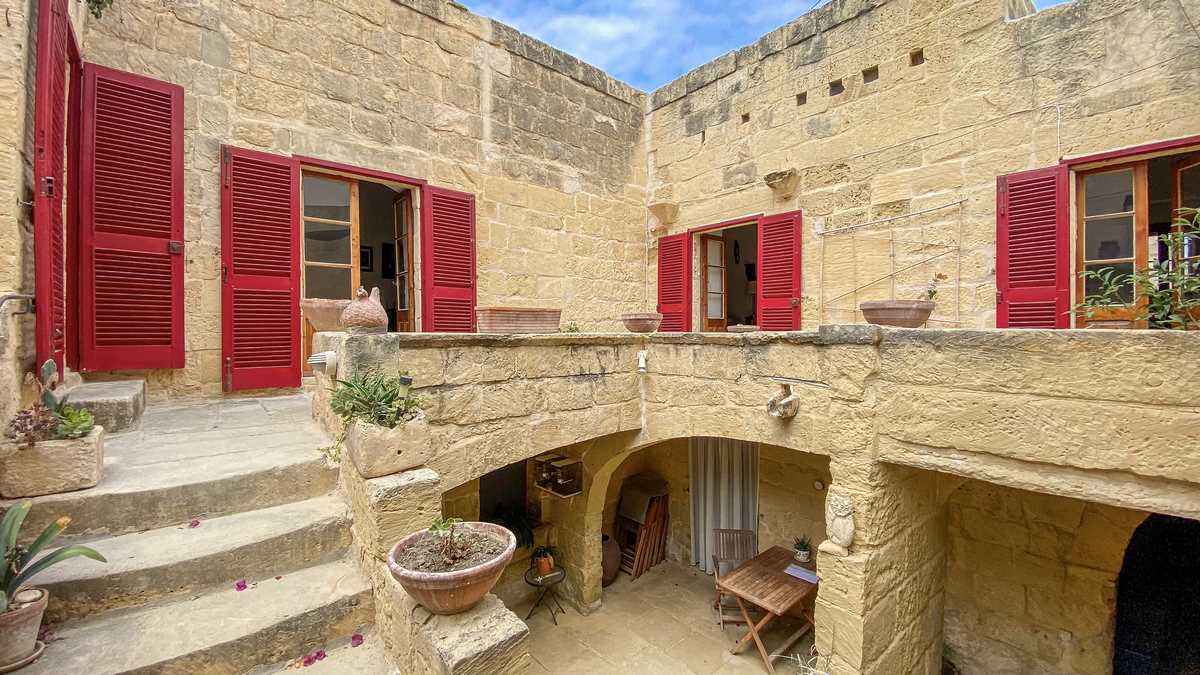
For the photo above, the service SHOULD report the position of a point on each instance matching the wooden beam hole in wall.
(836, 87)
(916, 57)
(802, 98)
(870, 74)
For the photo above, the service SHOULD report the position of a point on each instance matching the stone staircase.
(200, 498)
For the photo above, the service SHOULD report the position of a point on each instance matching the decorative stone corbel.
(785, 404)
(839, 525)
(783, 183)
(665, 212)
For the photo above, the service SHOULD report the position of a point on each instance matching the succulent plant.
(50, 416)
(21, 563)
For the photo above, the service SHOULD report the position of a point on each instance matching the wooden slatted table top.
(763, 581)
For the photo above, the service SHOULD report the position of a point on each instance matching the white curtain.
(724, 479)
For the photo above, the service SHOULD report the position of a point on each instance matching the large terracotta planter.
(51, 467)
(453, 592)
(379, 451)
(902, 313)
(642, 322)
(517, 319)
(19, 627)
(610, 559)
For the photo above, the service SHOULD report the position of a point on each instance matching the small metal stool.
(547, 584)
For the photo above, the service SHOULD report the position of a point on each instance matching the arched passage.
(1158, 600)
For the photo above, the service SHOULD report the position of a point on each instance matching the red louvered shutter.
(131, 236)
(1033, 249)
(50, 117)
(260, 270)
(675, 283)
(447, 261)
(779, 279)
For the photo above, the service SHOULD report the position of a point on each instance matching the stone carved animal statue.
(839, 525)
(365, 314)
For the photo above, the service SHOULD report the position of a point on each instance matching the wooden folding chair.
(730, 546)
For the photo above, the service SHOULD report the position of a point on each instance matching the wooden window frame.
(406, 232)
(720, 323)
(353, 224)
(1141, 234)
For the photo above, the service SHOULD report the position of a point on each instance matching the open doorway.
(357, 233)
(730, 282)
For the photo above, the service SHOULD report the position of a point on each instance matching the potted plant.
(449, 567)
(382, 423)
(50, 447)
(1164, 294)
(543, 560)
(803, 548)
(21, 607)
(903, 313)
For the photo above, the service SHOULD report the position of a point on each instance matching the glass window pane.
(715, 250)
(1091, 286)
(1110, 192)
(715, 280)
(325, 198)
(326, 242)
(1189, 187)
(327, 282)
(716, 306)
(1108, 238)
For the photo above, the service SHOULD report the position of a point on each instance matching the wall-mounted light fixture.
(642, 362)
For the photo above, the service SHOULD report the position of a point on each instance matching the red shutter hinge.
(224, 274)
(227, 377)
(999, 297)
(47, 186)
(225, 161)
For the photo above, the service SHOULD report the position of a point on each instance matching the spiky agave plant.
(21, 563)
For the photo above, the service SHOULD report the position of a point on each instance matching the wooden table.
(763, 581)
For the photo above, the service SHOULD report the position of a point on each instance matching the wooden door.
(403, 263)
(260, 253)
(716, 300)
(329, 247)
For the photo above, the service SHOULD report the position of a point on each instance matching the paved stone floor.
(662, 622)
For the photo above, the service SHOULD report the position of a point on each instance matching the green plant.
(931, 290)
(518, 521)
(376, 399)
(19, 561)
(442, 531)
(802, 543)
(1165, 293)
(49, 416)
(97, 7)
(75, 422)
(571, 327)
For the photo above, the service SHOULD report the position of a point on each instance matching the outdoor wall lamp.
(324, 362)
(405, 385)
(642, 362)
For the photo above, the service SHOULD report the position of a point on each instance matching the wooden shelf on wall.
(558, 475)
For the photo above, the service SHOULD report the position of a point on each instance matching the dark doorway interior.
(1158, 600)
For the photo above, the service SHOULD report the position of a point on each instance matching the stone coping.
(847, 334)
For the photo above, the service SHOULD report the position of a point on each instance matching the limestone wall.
(919, 144)
(422, 88)
(669, 461)
(1031, 581)
(788, 504)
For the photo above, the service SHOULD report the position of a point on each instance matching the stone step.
(181, 559)
(219, 633)
(151, 482)
(117, 406)
(340, 659)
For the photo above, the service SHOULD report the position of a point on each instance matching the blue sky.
(648, 43)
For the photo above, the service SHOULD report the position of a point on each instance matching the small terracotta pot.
(19, 630)
(453, 592)
(642, 322)
(544, 565)
(902, 313)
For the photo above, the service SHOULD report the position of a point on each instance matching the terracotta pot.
(544, 565)
(610, 561)
(513, 320)
(642, 322)
(902, 313)
(365, 313)
(322, 313)
(453, 592)
(19, 630)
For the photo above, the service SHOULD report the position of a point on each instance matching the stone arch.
(1023, 565)
(1158, 598)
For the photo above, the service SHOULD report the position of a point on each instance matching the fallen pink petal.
(240, 585)
(356, 639)
(194, 524)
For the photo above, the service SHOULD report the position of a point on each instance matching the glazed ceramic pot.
(458, 591)
(610, 561)
(642, 322)
(902, 313)
(19, 628)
